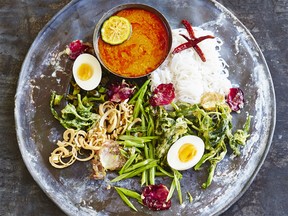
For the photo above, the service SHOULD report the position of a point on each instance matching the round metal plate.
(72, 189)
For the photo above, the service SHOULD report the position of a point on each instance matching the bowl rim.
(114, 10)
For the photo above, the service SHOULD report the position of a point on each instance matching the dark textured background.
(20, 21)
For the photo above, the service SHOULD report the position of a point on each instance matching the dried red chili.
(192, 42)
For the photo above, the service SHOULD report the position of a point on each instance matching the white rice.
(191, 76)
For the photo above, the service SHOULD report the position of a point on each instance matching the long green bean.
(144, 178)
(135, 172)
(130, 193)
(152, 170)
(129, 143)
(159, 174)
(165, 172)
(137, 139)
(136, 95)
(152, 176)
(125, 199)
(171, 190)
(139, 100)
(128, 163)
(190, 197)
(177, 177)
(144, 114)
(138, 165)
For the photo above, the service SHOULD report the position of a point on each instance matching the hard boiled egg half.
(87, 71)
(185, 152)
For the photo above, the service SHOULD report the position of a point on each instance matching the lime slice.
(116, 30)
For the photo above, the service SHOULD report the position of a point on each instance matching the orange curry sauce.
(143, 52)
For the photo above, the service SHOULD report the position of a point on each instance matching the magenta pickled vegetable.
(164, 94)
(76, 48)
(235, 99)
(118, 92)
(154, 197)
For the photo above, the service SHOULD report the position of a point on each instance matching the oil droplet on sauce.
(187, 152)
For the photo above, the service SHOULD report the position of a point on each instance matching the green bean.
(137, 139)
(135, 96)
(150, 133)
(130, 193)
(125, 199)
(123, 152)
(165, 172)
(177, 177)
(150, 126)
(143, 122)
(151, 150)
(135, 172)
(152, 176)
(137, 165)
(152, 170)
(128, 143)
(175, 184)
(145, 117)
(136, 129)
(139, 100)
(190, 197)
(171, 190)
(137, 150)
(128, 163)
(159, 174)
(146, 151)
(144, 178)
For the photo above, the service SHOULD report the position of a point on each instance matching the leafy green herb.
(76, 117)
(169, 130)
(215, 128)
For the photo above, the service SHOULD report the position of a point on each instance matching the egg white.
(173, 158)
(94, 81)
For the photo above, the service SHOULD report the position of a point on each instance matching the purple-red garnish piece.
(154, 197)
(235, 99)
(163, 94)
(118, 92)
(192, 41)
(76, 48)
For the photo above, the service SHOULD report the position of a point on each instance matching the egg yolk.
(84, 72)
(187, 152)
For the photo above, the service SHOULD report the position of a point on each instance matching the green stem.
(138, 165)
(125, 199)
(135, 172)
(128, 163)
(130, 193)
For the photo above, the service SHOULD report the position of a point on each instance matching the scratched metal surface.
(20, 23)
